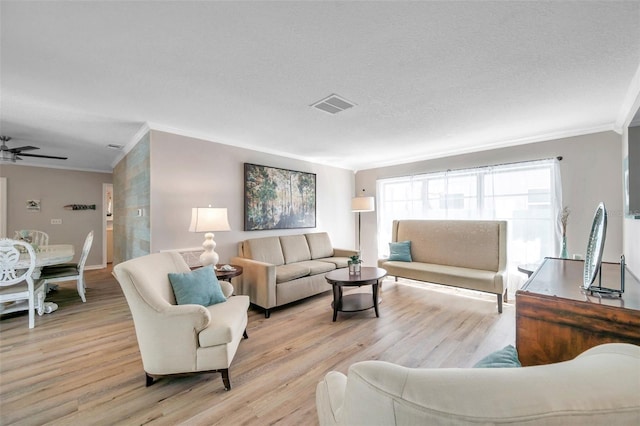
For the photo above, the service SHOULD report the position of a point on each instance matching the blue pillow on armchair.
(199, 287)
(506, 357)
(400, 251)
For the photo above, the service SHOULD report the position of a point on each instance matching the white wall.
(188, 172)
(56, 188)
(591, 172)
(631, 227)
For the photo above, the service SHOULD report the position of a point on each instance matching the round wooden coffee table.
(359, 301)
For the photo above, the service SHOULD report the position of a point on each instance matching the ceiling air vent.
(333, 104)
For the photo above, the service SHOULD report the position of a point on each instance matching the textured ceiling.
(428, 78)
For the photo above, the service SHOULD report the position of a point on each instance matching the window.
(527, 195)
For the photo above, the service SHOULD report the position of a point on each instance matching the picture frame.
(33, 205)
(276, 198)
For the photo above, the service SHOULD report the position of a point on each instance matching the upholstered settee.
(470, 254)
(599, 387)
(281, 270)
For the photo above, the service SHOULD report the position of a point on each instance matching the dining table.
(49, 255)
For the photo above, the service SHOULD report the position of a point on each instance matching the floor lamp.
(359, 205)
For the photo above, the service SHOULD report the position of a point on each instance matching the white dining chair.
(18, 290)
(33, 236)
(70, 271)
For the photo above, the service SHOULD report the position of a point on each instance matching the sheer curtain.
(527, 195)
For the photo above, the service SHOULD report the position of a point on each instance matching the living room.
(164, 170)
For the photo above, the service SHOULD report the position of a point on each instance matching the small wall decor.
(278, 199)
(33, 205)
(80, 207)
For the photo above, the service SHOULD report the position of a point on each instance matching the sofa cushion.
(266, 250)
(506, 357)
(291, 272)
(441, 274)
(226, 320)
(400, 251)
(198, 287)
(471, 244)
(318, 267)
(295, 248)
(340, 262)
(319, 245)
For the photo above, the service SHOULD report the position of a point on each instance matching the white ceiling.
(428, 78)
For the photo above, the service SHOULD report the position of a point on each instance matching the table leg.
(375, 298)
(337, 296)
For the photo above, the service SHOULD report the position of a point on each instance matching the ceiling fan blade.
(42, 156)
(23, 148)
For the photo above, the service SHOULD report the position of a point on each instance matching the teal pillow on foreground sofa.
(199, 287)
(506, 357)
(400, 251)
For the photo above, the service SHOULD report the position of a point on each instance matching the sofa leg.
(149, 380)
(245, 335)
(267, 313)
(225, 378)
(499, 303)
(506, 295)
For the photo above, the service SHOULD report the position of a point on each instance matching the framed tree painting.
(278, 198)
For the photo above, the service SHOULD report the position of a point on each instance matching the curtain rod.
(559, 158)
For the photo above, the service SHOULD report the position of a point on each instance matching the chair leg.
(32, 312)
(225, 378)
(149, 380)
(81, 288)
(499, 303)
(245, 335)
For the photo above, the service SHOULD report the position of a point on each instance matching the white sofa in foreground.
(470, 254)
(599, 387)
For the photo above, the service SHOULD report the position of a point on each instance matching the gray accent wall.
(131, 203)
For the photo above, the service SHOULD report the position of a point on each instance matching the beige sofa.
(471, 254)
(599, 387)
(281, 270)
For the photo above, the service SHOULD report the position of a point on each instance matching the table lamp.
(209, 219)
(362, 204)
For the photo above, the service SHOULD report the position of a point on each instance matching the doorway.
(107, 221)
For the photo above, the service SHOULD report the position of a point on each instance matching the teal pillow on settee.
(400, 251)
(506, 357)
(198, 287)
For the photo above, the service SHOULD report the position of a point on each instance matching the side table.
(227, 275)
(355, 302)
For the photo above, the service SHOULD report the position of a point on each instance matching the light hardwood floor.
(81, 365)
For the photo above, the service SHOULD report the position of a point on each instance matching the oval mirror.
(593, 256)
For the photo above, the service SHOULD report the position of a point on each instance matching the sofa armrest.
(258, 281)
(338, 252)
(330, 397)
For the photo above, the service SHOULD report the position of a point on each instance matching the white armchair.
(173, 338)
(599, 387)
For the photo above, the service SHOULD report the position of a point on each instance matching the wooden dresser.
(556, 320)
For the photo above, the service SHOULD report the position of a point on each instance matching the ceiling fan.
(11, 154)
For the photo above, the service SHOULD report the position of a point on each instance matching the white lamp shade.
(363, 204)
(209, 219)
